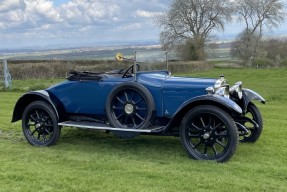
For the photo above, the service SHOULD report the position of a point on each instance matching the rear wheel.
(129, 106)
(209, 133)
(40, 124)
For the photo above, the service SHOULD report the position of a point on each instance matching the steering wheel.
(130, 71)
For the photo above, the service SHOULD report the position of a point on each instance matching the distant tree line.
(269, 53)
(189, 24)
(46, 69)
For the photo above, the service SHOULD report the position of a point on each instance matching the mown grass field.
(85, 160)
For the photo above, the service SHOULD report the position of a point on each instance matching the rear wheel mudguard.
(32, 96)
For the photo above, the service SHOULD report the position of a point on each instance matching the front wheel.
(209, 133)
(40, 124)
(254, 131)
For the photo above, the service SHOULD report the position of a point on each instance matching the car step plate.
(101, 126)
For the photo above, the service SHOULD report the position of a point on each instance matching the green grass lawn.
(86, 160)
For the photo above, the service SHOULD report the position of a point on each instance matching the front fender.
(30, 97)
(252, 95)
(248, 96)
(222, 102)
(212, 99)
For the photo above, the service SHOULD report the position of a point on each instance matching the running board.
(101, 126)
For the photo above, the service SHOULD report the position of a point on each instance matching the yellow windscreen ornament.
(119, 57)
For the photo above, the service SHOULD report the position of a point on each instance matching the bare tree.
(244, 45)
(188, 24)
(257, 16)
(275, 48)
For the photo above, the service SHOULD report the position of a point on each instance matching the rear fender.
(32, 96)
(222, 102)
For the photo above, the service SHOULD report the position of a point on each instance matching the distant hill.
(101, 52)
(84, 53)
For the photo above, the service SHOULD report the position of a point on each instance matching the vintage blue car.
(209, 116)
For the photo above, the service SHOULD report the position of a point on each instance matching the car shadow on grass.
(146, 146)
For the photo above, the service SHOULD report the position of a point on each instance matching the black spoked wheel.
(209, 133)
(129, 106)
(254, 131)
(40, 124)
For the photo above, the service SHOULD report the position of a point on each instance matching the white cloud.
(43, 22)
(10, 13)
(38, 20)
(43, 9)
(146, 14)
(7, 5)
(27, 14)
(15, 16)
(88, 12)
(128, 27)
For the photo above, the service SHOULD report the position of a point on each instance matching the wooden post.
(7, 76)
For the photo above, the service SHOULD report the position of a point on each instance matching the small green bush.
(261, 62)
(189, 67)
(283, 63)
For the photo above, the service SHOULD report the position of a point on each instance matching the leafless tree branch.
(192, 21)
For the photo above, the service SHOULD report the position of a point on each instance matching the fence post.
(7, 76)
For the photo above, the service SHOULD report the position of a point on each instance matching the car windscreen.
(151, 60)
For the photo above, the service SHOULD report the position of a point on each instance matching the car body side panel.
(177, 90)
(85, 97)
(154, 83)
(169, 93)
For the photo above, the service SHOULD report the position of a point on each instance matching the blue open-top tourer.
(209, 116)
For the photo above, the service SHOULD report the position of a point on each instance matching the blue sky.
(42, 23)
(60, 2)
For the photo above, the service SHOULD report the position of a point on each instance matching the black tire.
(209, 133)
(40, 124)
(130, 106)
(254, 131)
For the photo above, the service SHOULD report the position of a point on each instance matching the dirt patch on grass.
(14, 136)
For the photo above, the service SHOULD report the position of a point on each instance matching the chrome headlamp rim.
(220, 87)
(210, 90)
(223, 91)
(237, 89)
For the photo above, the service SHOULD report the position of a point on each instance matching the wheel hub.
(129, 108)
(206, 135)
(38, 125)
